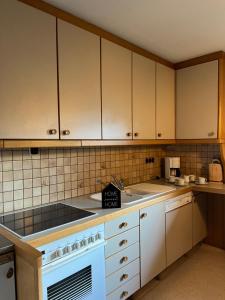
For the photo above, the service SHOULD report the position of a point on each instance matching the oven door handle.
(70, 257)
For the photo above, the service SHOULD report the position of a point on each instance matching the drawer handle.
(123, 225)
(123, 259)
(123, 277)
(123, 242)
(10, 273)
(124, 294)
(144, 215)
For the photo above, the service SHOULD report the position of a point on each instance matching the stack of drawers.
(122, 256)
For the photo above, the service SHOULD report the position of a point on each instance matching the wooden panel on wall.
(216, 220)
(40, 143)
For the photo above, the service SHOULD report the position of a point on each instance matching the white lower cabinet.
(126, 290)
(199, 217)
(122, 255)
(152, 242)
(178, 232)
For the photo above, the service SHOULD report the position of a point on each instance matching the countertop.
(104, 215)
(5, 246)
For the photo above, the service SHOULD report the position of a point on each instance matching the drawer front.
(122, 276)
(121, 241)
(121, 224)
(126, 290)
(121, 259)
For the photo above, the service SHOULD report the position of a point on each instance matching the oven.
(74, 268)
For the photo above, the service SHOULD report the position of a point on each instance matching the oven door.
(76, 276)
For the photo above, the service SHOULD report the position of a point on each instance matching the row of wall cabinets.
(59, 81)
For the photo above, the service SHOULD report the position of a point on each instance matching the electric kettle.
(215, 171)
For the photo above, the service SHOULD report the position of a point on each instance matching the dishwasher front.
(178, 227)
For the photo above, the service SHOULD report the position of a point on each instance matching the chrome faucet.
(118, 182)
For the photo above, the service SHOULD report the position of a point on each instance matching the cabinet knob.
(124, 294)
(129, 133)
(136, 134)
(123, 277)
(123, 242)
(123, 225)
(66, 132)
(159, 134)
(211, 133)
(123, 259)
(52, 131)
(10, 273)
(144, 215)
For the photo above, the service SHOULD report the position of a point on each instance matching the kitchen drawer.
(121, 259)
(121, 224)
(122, 276)
(121, 241)
(126, 290)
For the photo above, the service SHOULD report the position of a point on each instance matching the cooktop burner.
(38, 219)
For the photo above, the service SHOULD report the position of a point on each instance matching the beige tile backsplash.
(55, 174)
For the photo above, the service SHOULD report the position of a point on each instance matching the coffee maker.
(172, 167)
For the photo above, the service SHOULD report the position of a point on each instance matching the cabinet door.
(116, 91)
(199, 218)
(79, 82)
(165, 102)
(152, 241)
(28, 77)
(197, 101)
(143, 97)
(178, 232)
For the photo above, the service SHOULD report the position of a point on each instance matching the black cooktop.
(38, 219)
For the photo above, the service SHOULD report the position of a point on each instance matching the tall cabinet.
(28, 77)
(116, 91)
(197, 101)
(143, 97)
(165, 102)
(79, 82)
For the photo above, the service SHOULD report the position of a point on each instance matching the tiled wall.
(55, 174)
(194, 158)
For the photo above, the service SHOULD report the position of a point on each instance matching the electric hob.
(42, 218)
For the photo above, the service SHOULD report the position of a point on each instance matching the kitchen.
(82, 107)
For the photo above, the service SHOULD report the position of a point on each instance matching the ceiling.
(173, 29)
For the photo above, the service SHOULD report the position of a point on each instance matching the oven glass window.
(76, 286)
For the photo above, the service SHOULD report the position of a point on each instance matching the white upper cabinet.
(197, 101)
(28, 77)
(79, 82)
(143, 97)
(165, 102)
(116, 91)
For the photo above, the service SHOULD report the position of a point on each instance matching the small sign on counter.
(111, 196)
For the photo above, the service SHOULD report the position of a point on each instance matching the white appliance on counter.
(74, 267)
(215, 171)
(178, 227)
(172, 167)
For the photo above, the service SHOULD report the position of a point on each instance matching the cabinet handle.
(144, 215)
(10, 273)
(123, 242)
(52, 131)
(129, 134)
(136, 134)
(124, 294)
(123, 225)
(66, 132)
(123, 259)
(211, 133)
(123, 277)
(159, 134)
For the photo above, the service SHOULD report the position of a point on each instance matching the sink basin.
(138, 192)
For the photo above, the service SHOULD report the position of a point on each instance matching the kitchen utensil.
(215, 171)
